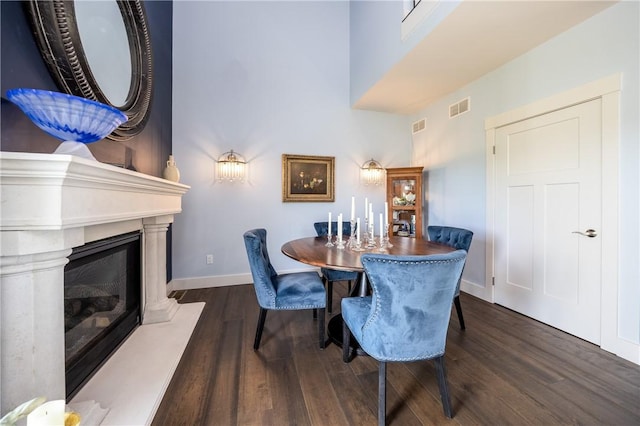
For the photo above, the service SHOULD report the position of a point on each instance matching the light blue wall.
(375, 38)
(266, 78)
(454, 150)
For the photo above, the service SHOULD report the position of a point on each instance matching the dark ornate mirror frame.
(56, 32)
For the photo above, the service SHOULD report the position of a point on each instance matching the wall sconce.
(231, 166)
(372, 172)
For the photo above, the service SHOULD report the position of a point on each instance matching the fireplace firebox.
(102, 285)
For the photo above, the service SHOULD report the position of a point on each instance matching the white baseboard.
(475, 290)
(219, 280)
(624, 349)
(206, 282)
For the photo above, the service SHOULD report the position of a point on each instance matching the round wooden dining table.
(313, 251)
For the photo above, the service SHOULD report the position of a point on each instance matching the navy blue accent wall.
(23, 66)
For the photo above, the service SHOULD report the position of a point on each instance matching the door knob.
(591, 233)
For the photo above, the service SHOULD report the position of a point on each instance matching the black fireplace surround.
(102, 286)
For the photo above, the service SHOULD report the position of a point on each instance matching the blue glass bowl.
(67, 117)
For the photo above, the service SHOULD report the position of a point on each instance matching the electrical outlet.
(209, 259)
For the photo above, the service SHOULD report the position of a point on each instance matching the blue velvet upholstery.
(459, 239)
(300, 290)
(407, 316)
(329, 276)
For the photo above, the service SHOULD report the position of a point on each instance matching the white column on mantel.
(157, 306)
(32, 288)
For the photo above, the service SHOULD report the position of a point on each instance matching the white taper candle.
(386, 213)
(353, 208)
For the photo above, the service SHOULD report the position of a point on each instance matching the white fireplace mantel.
(50, 204)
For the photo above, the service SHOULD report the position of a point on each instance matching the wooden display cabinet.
(404, 198)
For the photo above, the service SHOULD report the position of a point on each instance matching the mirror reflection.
(104, 40)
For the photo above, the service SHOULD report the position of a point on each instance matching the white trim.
(419, 13)
(608, 89)
(490, 136)
(207, 282)
(220, 280)
(474, 289)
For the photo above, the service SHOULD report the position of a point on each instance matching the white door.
(548, 198)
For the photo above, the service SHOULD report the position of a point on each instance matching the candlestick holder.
(365, 234)
(352, 238)
(357, 246)
(383, 244)
(340, 243)
(329, 243)
(387, 239)
(371, 239)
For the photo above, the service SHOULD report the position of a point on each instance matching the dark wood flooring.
(505, 369)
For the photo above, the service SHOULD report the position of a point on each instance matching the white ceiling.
(476, 38)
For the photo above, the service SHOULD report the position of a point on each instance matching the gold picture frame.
(308, 178)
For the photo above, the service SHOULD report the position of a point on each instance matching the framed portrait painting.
(307, 178)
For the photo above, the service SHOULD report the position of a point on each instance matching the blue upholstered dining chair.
(329, 276)
(459, 239)
(407, 316)
(298, 290)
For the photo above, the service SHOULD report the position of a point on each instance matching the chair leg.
(261, 319)
(329, 296)
(349, 287)
(456, 301)
(382, 393)
(321, 327)
(441, 372)
(346, 342)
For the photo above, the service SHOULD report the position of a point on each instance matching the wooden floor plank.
(319, 396)
(255, 401)
(224, 384)
(423, 398)
(352, 400)
(190, 386)
(503, 369)
(288, 401)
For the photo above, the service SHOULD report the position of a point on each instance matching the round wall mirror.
(99, 51)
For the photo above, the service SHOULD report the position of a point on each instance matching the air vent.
(459, 107)
(419, 125)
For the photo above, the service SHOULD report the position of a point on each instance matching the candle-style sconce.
(231, 167)
(372, 172)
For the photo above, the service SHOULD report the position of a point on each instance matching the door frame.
(608, 90)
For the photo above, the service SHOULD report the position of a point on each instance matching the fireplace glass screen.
(101, 304)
